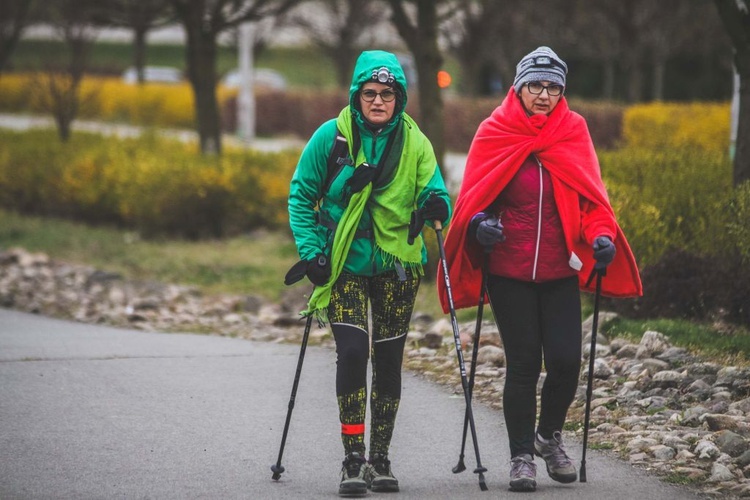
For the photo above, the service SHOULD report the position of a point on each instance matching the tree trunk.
(139, 53)
(737, 24)
(635, 82)
(608, 85)
(201, 62)
(657, 83)
(742, 146)
(422, 42)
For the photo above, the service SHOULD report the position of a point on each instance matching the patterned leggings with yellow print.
(392, 302)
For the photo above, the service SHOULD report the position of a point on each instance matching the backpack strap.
(339, 157)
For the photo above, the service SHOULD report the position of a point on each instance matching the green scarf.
(391, 208)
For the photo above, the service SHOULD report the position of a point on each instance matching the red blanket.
(562, 143)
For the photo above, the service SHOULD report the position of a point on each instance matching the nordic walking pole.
(295, 274)
(462, 366)
(592, 354)
(460, 467)
(277, 468)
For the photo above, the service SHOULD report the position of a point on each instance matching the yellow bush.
(671, 125)
(111, 99)
(14, 92)
(154, 185)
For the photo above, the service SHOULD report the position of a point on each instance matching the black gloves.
(434, 208)
(317, 269)
(487, 229)
(604, 252)
(362, 176)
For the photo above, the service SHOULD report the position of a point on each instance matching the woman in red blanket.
(533, 204)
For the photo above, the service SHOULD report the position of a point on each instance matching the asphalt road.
(92, 412)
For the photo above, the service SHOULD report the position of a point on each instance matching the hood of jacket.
(373, 60)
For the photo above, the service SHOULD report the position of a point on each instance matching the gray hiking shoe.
(522, 473)
(559, 465)
(379, 476)
(353, 482)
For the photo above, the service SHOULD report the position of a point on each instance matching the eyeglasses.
(369, 95)
(536, 88)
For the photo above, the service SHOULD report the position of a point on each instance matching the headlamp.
(543, 62)
(382, 75)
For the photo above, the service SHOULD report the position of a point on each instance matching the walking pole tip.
(277, 470)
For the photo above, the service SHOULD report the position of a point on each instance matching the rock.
(604, 317)
(675, 355)
(744, 459)
(667, 378)
(706, 450)
(627, 351)
(742, 405)
(490, 354)
(652, 344)
(654, 365)
(432, 340)
(730, 443)
(691, 473)
(640, 444)
(720, 473)
(602, 370)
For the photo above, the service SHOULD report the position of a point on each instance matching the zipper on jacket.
(539, 222)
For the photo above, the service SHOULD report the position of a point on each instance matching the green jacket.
(314, 214)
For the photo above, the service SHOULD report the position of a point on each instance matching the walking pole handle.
(438, 225)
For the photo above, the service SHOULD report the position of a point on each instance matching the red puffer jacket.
(534, 248)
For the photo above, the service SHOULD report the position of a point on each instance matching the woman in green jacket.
(351, 225)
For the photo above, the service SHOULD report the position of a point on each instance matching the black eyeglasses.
(553, 90)
(386, 95)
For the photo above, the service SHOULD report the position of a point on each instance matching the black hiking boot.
(353, 482)
(379, 476)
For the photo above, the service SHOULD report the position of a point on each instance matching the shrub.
(156, 186)
(672, 197)
(111, 99)
(664, 126)
(690, 286)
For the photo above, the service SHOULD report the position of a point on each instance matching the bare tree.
(14, 15)
(141, 16)
(342, 31)
(417, 23)
(60, 86)
(735, 15)
(203, 21)
(488, 37)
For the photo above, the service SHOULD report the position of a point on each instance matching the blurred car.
(264, 77)
(155, 74)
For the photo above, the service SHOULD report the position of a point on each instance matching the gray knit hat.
(542, 64)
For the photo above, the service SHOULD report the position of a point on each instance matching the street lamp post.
(246, 97)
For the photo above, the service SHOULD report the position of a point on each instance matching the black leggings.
(392, 302)
(537, 321)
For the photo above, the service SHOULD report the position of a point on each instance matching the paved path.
(92, 412)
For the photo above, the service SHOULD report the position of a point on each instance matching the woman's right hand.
(489, 230)
(319, 270)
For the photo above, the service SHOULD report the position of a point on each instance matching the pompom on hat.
(541, 64)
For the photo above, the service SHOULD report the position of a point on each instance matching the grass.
(254, 264)
(730, 345)
(300, 66)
